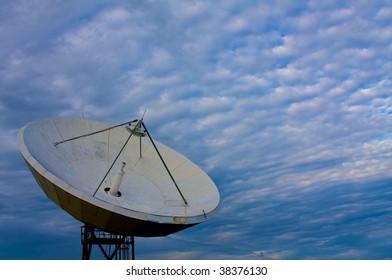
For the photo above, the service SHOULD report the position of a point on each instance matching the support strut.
(112, 246)
(164, 164)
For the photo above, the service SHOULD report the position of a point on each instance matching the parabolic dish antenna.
(115, 178)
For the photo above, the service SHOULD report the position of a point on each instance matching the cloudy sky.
(287, 105)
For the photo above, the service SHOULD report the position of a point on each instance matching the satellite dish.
(117, 179)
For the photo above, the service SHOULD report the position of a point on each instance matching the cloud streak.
(286, 105)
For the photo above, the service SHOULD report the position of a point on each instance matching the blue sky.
(287, 105)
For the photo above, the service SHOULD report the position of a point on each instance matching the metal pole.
(133, 247)
(140, 146)
(167, 169)
(86, 242)
(110, 168)
(92, 133)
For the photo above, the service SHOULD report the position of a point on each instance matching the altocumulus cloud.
(286, 104)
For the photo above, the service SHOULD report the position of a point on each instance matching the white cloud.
(384, 13)
(278, 101)
(8, 140)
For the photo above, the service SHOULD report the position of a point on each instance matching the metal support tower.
(113, 246)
